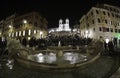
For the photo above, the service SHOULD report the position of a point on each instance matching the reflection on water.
(52, 58)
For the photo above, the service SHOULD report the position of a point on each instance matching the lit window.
(110, 22)
(12, 34)
(35, 31)
(9, 34)
(29, 32)
(19, 33)
(16, 34)
(24, 33)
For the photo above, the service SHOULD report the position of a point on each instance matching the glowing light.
(51, 58)
(24, 21)
(9, 34)
(24, 33)
(12, 34)
(29, 32)
(51, 31)
(41, 32)
(16, 34)
(10, 26)
(87, 32)
(40, 57)
(35, 31)
(3, 39)
(19, 33)
(74, 30)
(40, 54)
(29, 38)
(107, 40)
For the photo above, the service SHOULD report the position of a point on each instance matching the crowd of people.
(53, 40)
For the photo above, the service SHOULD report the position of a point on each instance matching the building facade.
(63, 29)
(26, 25)
(102, 21)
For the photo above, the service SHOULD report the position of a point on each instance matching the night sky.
(52, 10)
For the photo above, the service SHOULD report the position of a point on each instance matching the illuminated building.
(63, 29)
(25, 25)
(101, 21)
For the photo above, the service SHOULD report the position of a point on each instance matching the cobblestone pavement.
(98, 69)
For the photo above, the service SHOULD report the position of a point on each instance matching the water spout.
(59, 44)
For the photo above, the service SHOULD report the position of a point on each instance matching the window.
(29, 32)
(110, 9)
(110, 22)
(106, 21)
(119, 30)
(16, 34)
(35, 24)
(30, 22)
(104, 13)
(9, 34)
(19, 33)
(94, 29)
(100, 29)
(92, 21)
(115, 30)
(112, 14)
(87, 17)
(88, 25)
(97, 11)
(98, 20)
(24, 33)
(107, 29)
(12, 34)
(35, 31)
(91, 13)
(114, 10)
(108, 14)
(111, 29)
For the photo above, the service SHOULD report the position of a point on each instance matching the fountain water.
(59, 44)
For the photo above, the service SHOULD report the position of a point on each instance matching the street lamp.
(24, 21)
(10, 26)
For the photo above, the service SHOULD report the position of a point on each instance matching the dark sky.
(52, 10)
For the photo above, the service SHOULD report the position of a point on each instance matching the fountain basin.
(54, 65)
